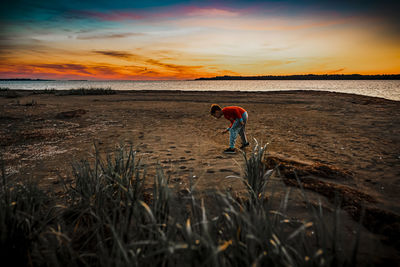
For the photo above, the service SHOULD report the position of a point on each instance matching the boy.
(238, 118)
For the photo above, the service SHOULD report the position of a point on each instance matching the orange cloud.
(155, 70)
(117, 54)
(335, 71)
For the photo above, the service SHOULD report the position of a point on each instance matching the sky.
(175, 40)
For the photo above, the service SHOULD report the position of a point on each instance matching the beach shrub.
(107, 217)
(50, 91)
(256, 174)
(6, 92)
(88, 91)
(24, 214)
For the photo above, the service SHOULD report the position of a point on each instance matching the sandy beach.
(335, 142)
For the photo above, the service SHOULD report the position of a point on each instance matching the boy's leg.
(242, 130)
(233, 131)
(242, 133)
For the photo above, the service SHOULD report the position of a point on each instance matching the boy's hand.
(224, 131)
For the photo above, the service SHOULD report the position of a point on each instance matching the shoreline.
(28, 92)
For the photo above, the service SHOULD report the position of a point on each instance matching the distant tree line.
(309, 77)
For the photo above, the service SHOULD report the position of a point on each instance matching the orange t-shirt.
(233, 113)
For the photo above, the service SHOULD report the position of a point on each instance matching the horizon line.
(249, 77)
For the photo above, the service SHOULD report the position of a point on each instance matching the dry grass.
(105, 218)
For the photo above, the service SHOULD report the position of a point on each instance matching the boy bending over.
(238, 118)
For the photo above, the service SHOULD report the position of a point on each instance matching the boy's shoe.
(229, 151)
(245, 145)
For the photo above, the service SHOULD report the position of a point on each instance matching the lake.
(389, 89)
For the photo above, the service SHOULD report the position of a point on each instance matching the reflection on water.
(379, 88)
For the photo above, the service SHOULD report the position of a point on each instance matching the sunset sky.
(168, 40)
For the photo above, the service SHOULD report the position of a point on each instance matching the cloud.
(108, 36)
(169, 67)
(335, 71)
(117, 54)
(279, 24)
(155, 14)
(149, 69)
(173, 67)
(64, 67)
(109, 16)
(275, 63)
(209, 12)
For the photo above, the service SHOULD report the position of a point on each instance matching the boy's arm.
(227, 111)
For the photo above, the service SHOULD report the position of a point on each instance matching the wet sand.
(355, 139)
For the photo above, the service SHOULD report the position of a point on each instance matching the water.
(389, 89)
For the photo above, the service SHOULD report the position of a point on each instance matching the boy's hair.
(214, 108)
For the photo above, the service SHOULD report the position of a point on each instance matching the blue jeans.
(238, 128)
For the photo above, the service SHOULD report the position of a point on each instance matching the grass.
(24, 214)
(107, 218)
(77, 91)
(8, 93)
(51, 91)
(88, 91)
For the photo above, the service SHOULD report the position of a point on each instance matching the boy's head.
(216, 110)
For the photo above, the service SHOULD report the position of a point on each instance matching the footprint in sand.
(172, 147)
(188, 151)
(141, 135)
(182, 167)
(143, 145)
(182, 158)
(219, 157)
(227, 170)
(168, 154)
(210, 171)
